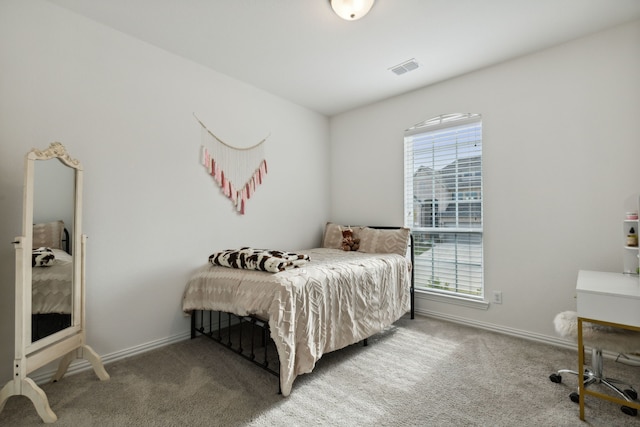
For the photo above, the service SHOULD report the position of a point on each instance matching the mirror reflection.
(52, 263)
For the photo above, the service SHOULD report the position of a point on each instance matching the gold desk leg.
(580, 369)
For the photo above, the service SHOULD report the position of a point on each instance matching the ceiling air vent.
(405, 67)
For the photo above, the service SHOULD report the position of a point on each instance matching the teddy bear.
(349, 242)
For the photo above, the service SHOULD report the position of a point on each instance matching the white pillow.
(384, 241)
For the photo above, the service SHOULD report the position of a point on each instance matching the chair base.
(594, 376)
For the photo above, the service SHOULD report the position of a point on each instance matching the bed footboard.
(247, 336)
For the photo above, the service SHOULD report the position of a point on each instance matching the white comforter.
(340, 298)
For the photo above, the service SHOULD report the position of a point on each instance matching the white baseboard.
(45, 374)
(518, 333)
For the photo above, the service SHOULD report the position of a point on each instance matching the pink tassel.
(232, 193)
(224, 185)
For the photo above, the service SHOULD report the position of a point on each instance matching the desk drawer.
(609, 308)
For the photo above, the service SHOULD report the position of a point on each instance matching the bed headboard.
(410, 249)
(66, 243)
(394, 243)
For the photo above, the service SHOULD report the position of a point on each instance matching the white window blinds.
(443, 203)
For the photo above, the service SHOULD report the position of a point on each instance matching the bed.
(330, 300)
(51, 277)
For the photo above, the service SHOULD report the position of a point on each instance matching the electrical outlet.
(497, 297)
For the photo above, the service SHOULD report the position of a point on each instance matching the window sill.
(451, 299)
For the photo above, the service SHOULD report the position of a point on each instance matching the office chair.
(598, 337)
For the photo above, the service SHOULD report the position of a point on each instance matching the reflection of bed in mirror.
(52, 272)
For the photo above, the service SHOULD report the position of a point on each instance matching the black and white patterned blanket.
(258, 259)
(42, 257)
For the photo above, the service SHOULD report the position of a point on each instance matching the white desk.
(611, 299)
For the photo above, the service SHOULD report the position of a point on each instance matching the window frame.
(428, 129)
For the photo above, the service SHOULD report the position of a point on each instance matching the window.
(443, 203)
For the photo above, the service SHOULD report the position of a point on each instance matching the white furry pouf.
(603, 337)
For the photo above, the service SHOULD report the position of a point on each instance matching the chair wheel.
(629, 411)
(631, 394)
(575, 397)
(555, 378)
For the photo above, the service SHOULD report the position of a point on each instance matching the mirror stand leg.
(6, 392)
(84, 352)
(63, 366)
(39, 399)
(96, 362)
(27, 387)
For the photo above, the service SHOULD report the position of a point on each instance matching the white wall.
(561, 167)
(124, 109)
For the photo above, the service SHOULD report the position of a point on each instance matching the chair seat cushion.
(599, 336)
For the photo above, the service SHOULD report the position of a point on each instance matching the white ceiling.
(301, 51)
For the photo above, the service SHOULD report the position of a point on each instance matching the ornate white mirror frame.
(67, 343)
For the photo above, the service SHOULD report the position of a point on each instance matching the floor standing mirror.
(50, 276)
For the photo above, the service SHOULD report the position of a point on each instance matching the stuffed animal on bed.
(349, 242)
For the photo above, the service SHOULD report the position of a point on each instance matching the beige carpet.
(421, 372)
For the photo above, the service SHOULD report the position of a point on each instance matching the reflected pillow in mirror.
(48, 234)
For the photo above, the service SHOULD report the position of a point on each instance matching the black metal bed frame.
(222, 329)
(237, 332)
(45, 324)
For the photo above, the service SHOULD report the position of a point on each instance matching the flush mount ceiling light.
(351, 9)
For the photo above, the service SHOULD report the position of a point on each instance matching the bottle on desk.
(632, 237)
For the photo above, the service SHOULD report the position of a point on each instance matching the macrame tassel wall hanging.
(238, 171)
